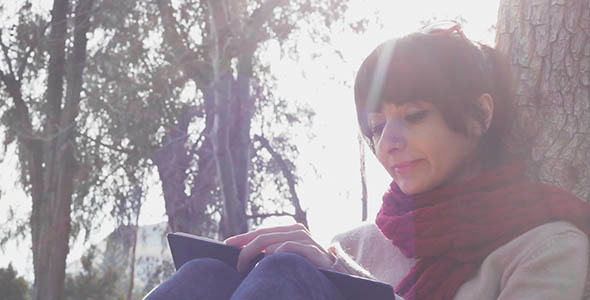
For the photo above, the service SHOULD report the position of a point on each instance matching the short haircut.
(445, 70)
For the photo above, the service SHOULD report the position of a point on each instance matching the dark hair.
(445, 70)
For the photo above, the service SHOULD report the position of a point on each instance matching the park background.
(305, 75)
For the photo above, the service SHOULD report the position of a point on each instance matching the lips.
(405, 167)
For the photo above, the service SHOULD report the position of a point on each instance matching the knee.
(285, 262)
(210, 266)
(202, 278)
(286, 276)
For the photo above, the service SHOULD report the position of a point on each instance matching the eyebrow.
(418, 104)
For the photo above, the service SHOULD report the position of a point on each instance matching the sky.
(328, 164)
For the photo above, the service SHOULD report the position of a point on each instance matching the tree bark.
(242, 112)
(173, 160)
(234, 219)
(52, 179)
(135, 232)
(364, 196)
(48, 223)
(548, 45)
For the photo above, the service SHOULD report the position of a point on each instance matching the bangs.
(442, 71)
(448, 71)
(398, 72)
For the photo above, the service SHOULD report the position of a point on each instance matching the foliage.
(136, 89)
(157, 271)
(11, 286)
(133, 94)
(92, 283)
(135, 74)
(219, 46)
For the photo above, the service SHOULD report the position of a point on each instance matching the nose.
(393, 138)
(395, 143)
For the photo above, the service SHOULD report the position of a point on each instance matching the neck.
(471, 168)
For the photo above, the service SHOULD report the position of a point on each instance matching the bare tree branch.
(276, 214)
(13, 87)
(110, 147)
(187, 59)
(254, 24)
(56, 69)
(300, 214)
(6, 55)
(77, 61)
(262, 14)
(32, 48)
(364, 202)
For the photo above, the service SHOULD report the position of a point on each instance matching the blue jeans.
(279, 276)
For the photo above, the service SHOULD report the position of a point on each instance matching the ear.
(486, 105)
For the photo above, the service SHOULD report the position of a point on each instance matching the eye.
(377, 129)
(417, 116)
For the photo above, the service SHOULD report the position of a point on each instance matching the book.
(185, 247)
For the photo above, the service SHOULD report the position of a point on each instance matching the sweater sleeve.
(345, 264)
(556, 269)
(348, 246)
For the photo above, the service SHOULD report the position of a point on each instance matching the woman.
(460, 220)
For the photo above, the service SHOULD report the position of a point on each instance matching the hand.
(292, 238)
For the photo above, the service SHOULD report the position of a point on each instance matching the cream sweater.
(547, 262)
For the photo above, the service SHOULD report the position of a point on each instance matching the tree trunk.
(49, 225)
(52, 179)
(363, 167)
(135, 229)
(548, 45)
(234, 218)
(232, 37)
(184, 211)
(173, 161)
(242, 113)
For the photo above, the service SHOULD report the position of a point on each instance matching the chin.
(410, 189)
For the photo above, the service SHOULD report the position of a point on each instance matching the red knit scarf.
(452, 229)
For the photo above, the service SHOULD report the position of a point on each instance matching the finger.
(314, 254)
(259, 243)
(243, 239)
(273, 248)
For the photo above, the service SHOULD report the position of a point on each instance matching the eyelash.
(377, 129)
(414, 118)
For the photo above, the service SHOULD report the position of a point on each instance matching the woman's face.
(417, 148)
